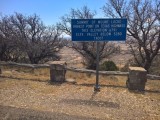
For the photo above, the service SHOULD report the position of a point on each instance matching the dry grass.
(87, 78)
(34, 80)
(33, 90)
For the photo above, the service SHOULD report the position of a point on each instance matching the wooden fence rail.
(82, 70)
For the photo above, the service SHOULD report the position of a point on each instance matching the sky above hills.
(49, 11)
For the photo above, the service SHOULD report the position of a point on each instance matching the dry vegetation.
(32, 90)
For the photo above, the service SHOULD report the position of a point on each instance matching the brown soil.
(34, 92)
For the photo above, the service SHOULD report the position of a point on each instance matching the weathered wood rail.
(82, 70)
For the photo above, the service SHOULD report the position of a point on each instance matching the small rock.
(71, 81)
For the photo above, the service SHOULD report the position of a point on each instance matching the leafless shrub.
(27, 37)
(143, 27)
(86, 49)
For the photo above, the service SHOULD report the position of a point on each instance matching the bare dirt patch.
(34, 92)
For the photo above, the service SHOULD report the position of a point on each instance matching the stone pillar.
(137, 78)
(57, 71)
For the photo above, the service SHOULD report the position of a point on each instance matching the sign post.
(98, 30)
(97, 88)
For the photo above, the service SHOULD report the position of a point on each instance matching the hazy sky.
(49, 10)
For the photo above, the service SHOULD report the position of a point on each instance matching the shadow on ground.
(90, 103)
(145, 91)
(13, 113)
(118, 86)
(91, 85)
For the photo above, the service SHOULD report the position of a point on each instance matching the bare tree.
(143, 27)
(7, 40)
(84, 13)
(38, 42)
(86, 49)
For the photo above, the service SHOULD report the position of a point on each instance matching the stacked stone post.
(137, 78)
(57, 71)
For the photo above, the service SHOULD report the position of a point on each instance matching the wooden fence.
(82, 70)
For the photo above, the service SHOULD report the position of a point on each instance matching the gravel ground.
(27, 99)
(13, 113)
